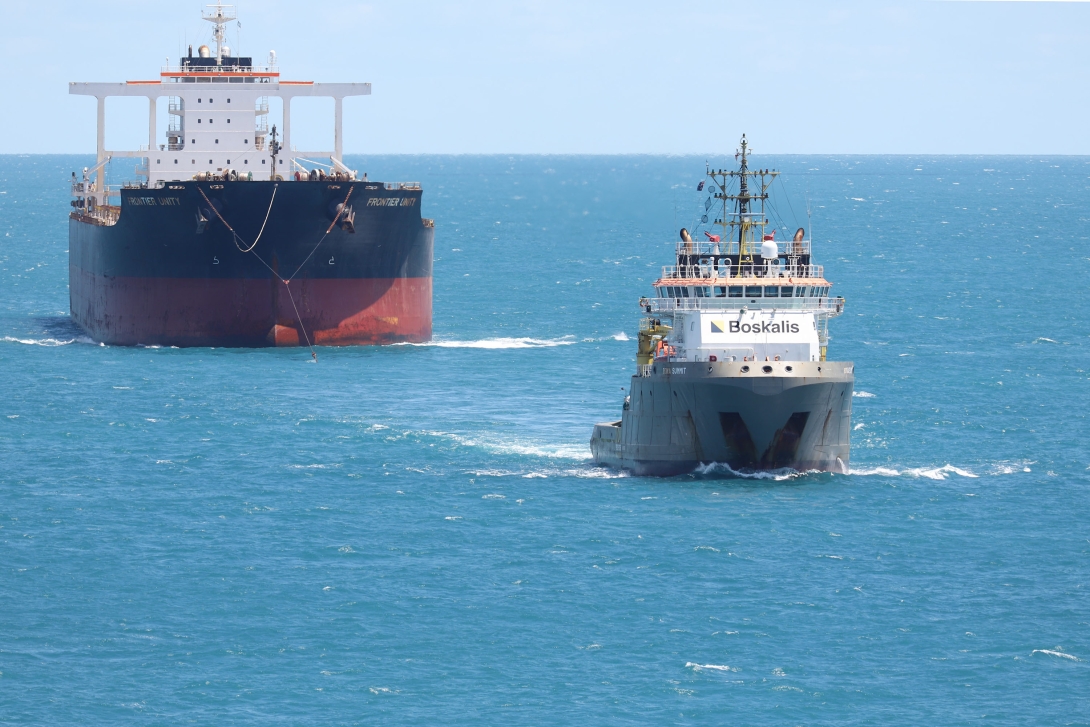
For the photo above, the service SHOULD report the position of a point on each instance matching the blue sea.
(416, 534)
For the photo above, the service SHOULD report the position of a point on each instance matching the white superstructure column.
(338, 138)
(151, 128)
(287, 126)
(100, 142)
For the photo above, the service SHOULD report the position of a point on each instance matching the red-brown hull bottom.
(251, 312)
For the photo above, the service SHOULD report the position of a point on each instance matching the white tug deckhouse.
(731, 363)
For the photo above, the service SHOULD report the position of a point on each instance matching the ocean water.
(415, 534)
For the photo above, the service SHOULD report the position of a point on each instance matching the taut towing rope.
(250, 249)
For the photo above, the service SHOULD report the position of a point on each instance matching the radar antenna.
(220, 16)
(743, 216)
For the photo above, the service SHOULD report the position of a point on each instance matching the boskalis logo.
(763, 327)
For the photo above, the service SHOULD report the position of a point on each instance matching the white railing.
(730, 247)
(402, 185)
(827, 306)
(221, 69)
(746, 270)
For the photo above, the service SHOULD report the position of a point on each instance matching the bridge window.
(786, 291)
(684, 292)
(772, 291)
(753, 291)
(720, 291)
(699, 291)
(800, 292)
(734, 291)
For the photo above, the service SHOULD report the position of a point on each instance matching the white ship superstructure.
(741, 295)
(218, 106)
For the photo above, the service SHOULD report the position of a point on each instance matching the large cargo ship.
(731, 365)
(235, 238)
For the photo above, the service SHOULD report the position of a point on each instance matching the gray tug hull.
(687, 414)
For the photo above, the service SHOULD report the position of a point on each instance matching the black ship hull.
(228, 264)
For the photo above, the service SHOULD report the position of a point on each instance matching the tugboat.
(235, 238)
(731, 365)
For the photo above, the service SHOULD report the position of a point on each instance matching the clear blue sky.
(568, 76)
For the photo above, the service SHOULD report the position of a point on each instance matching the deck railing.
(730, 247)
(828, 306)
(746, 270)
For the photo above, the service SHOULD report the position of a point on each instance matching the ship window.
(245, 141)
(228, 100)
(210, 121)
(158, 161)
(198, 100)
(734, 291)
(228, 161)
(720, 291)
(228, 121)
(772, 291)
(175, 161)
(198, 121)
(245, 161)
(209, 161)
(672, 292)
(217, 141)
(192, 141)
(753, 291)
(262, 161)
(685, 292)
(281, 161)
(699, 290)
(800, 292)
(786, 291)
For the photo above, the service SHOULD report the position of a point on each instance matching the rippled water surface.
(415, 534)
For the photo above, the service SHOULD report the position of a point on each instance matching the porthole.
(745, 369)
(788, 368)
(766, 369)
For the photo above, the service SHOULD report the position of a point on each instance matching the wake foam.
(718, 469)
(499, 343)
(711, 667)
(862, 394)
(572, 451)
(49, 342)
(932, 473)
(620, 336)
(1056, 652)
